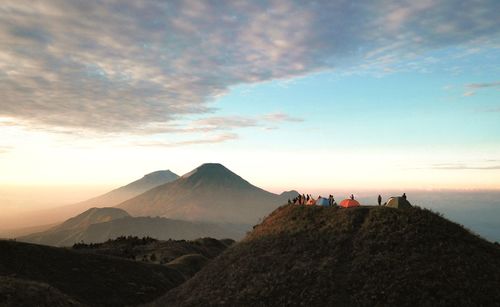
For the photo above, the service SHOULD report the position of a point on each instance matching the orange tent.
(347, 203)
(311, 202)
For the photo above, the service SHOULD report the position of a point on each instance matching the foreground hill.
(314, 256)
(52, 216)
(153, 250)
(100, 224)
(93, 280)
(187, 257)
(15, 292)
(210, 193)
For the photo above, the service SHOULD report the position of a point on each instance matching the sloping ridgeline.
(314, 256)
(94, 280)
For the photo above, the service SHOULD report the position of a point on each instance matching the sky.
(308, 95)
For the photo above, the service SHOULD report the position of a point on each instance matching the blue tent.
(323, 202)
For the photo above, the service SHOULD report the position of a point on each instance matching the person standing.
(352, 196)
(379, 199)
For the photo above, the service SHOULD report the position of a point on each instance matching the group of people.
(307, 199)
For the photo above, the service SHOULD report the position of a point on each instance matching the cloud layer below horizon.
(127, 66)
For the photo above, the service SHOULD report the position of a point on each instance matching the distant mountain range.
(210, 193)
(130, 190)
(208, 201)
(51, 216)
(100, 224)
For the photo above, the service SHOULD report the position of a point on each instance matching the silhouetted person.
(307, 197)
(352, 196)
(379, 199)
(404, 196)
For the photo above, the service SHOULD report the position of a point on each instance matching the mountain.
(93, 216)
(132, 189)
(70, 231)
(100, 224)
(93, 280)
(289, 195)
(365, 256)
(210, 193)
(56, 215)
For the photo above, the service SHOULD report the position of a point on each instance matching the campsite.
(249, 153)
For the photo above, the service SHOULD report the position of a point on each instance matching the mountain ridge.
(93, 280)
(209, 193)
(100, 224)
(59, 214)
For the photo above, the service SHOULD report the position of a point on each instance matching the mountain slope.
(100, 224)
(132, 189)
(70, 231)
(211, 193)
(314, 256)
(93, 280)
(110, 199)
(161, 228)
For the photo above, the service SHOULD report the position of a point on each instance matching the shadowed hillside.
(314, 256)
(15, 292)
(210, 193)
(94, 280)
(155, 251)
(101, 224)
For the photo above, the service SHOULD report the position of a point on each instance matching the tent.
(310, 202)
(398, 202)
(347, 203)
(323, 202)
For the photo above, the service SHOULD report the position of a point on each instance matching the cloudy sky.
(289, 94)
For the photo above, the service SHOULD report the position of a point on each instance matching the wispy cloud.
(474, 87)
(281, 117)
(483, 85)
(220, 123)
(465, 166)
(5, 149)
(202, 141)
(124, 66)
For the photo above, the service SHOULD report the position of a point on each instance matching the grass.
(376, 256)
(94, 280)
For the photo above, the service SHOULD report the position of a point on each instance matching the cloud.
(208, 140)
(223, 123)
(229, 124)
(281, 117)
(464, 166)
(126, 66)
(5, 149)
(473, 87)
(483, 85)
